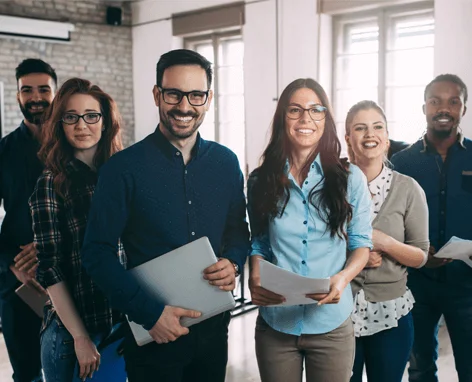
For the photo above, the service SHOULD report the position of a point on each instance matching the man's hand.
(337, 284)
(28, 257)
(375, 260)
(435, 262)
(26, 278)
(261, 296)
(168, 327)
(221, 274)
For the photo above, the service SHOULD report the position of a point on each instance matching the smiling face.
(304, 133)
(444, 108)
(368, 136)
(182, 121)
(83, 136)
(35, 94)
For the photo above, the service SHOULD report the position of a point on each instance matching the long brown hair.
(56, 152)
(271, 184)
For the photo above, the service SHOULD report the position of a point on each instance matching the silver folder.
(176, 278)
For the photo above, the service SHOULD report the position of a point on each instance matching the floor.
(242, 365)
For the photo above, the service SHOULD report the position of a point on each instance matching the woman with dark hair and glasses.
(81, 132)
(309, 212)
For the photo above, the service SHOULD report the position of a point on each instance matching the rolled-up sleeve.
(45, 208)
(359, 229)
(260, 244)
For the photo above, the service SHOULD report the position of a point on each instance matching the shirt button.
(304, 202)
(189, 202)
(303, 262)
(442, 212)
(193, 233)
(306, 182)
(304, 241)
(177, 153)
(305, 222)
(185, 172)
(443, 192)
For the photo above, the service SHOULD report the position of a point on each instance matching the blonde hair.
(362, 105)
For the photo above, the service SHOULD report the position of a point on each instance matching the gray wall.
(98, 52)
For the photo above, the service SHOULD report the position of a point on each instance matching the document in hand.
(457, 249)
(33, 298)
(290, 285)
(176, 278)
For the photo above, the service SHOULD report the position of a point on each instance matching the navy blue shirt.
(19, 171)
(448, 188)
(147, 196)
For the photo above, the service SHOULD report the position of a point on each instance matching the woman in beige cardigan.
(382, 320)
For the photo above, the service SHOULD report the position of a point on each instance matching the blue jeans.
(385, 354)
(57, 353)
(433, 299)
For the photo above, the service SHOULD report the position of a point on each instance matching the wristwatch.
(235, 266)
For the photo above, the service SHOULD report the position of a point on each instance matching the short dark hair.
(35, 65)
(448, 78)
(182, 57)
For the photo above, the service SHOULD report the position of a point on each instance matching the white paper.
(290, 285)
(457, 249)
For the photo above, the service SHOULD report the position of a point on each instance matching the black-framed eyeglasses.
(90, 118)
(174, 96)
(316, 112)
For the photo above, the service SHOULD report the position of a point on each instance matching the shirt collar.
(428, 148)
(380, 180)
(76, 165)
(170, 150)
(26, 131)
(315, 167)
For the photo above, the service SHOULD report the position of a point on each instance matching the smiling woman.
(307, 208)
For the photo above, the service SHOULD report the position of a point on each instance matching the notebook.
(33, 298)
(176, 278)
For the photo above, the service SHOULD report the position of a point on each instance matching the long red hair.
(56, 152)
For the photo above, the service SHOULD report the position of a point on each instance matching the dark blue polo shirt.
(448, 188)
(147, 196)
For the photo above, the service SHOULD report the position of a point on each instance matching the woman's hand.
(381, 241)
(337, 285)
(87, 356)
(259, 295)
(375, 260)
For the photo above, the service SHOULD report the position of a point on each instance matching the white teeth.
(443, 120)
(183, 119)
(370, 144)
(305, 131)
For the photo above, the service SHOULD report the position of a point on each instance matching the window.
(224, 122)
(385, 56)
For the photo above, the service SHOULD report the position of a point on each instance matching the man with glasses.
(171, 188)
(19, 170)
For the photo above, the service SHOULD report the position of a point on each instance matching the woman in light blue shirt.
(310, 214)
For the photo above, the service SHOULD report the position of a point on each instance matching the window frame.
(383, 15)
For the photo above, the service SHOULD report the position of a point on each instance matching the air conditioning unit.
(21, 27)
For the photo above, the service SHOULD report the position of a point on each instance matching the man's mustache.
(442, 116)
(30, 104)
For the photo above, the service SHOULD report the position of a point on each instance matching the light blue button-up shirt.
(300, 241)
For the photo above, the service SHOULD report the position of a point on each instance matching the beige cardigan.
(403, 216)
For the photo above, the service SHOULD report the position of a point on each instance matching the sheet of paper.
(457, 249)
(290, 285)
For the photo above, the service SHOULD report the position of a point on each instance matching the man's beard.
(440, 133)
(34, 117)
(165, 119)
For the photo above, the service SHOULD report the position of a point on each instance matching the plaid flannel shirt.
(59, 228)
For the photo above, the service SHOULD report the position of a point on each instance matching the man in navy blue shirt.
(165, 191)
(19, 170)
(441, 162)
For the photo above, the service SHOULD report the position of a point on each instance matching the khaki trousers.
(328, 357)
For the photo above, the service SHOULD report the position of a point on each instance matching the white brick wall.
(98, 52)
